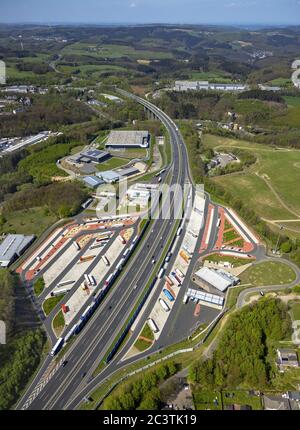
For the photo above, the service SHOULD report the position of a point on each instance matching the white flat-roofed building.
(109, 176)
(12, 247)
(218, 279)
(205, 85)
(128, 139)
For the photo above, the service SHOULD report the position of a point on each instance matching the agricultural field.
(114, 51)
(274, 174)
(268, 273)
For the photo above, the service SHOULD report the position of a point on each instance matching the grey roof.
(13, 246)
(217, 279)
(129, 171)
(93, 181)
(109, 176)
(94, 154)
(128, 138)
(276, 403)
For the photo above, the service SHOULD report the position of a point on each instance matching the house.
(276, 403)
(287, 358)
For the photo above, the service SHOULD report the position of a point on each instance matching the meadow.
(268, 186)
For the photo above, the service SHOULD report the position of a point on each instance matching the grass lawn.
(50, 303)
(240, 397)
(39, 286)
(112, 163)
(295, 308)
(59, 323)
(230, 235)
(292, 101)
(235, 261)
(268, 273)
(142, 344)
(204, 399)
(28, 221)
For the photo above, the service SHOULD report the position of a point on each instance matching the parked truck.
(105, 259)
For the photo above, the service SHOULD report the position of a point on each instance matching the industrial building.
(128, 139)
(92, 155)
(129, 171)
(109, 177)
(215, 278)
(205, 85)
(93, 181)
(12, 247)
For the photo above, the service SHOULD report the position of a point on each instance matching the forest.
(142, 393)
(47, 112)
(245, 355)
(21, 354)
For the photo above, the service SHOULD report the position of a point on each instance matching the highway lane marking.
(42, 383)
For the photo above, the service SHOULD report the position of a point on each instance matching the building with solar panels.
(93, 155)
(13, 246)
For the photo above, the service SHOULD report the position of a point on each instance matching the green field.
(28, 221)
(268, 273)
(279, 168)
(90, 70)
(211, 77)
(292, 101)
(295, 308)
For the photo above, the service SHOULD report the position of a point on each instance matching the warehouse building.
(92, 181)
(92, 155)
(109, 177)
(128, 139)
(215, 278)
(129, 171)
(13, 246)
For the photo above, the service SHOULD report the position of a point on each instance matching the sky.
(151, 11)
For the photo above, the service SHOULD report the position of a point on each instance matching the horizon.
(158, 12)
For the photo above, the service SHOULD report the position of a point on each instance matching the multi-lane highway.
(69, 384)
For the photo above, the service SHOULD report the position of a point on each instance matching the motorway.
(91, 345)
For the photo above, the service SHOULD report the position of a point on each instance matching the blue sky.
(145, 11)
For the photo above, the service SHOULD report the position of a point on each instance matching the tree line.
(142, 393)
